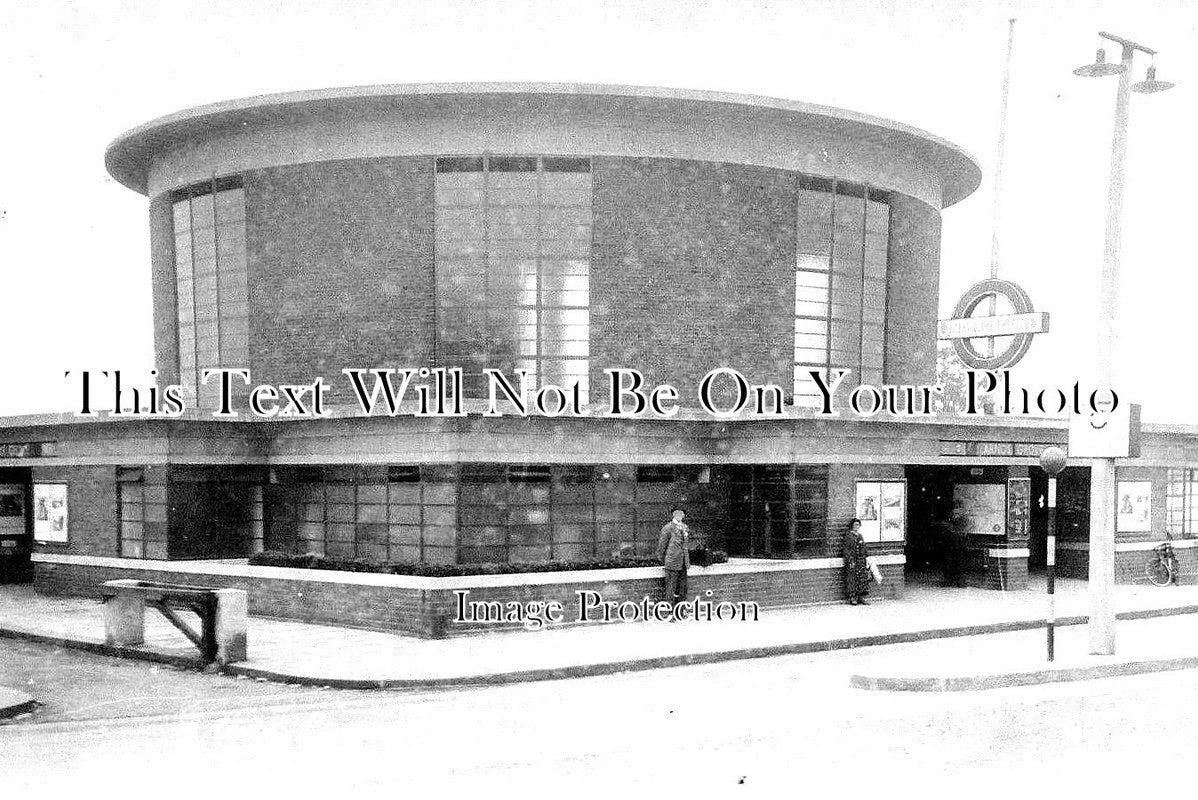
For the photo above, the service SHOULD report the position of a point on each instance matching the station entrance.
(16, 526)
(987, 525)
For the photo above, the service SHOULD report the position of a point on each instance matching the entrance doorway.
(937, 551)
(16, 526)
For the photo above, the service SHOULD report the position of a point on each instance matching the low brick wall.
(429, 607)
(1131, 561)
(402, 608)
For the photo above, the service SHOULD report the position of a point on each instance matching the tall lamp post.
(1102, 471)
(1052, 461)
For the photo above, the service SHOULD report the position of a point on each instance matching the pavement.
(14, 703)
(321, 655)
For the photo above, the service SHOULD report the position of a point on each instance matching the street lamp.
(1102, 471)
(1052, 461)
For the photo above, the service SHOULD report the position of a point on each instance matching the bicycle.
(1162, 569)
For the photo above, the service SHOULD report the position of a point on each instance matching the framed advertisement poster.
(1019, 499)
(882, 508)
(984, 507)
(1134, 511)
(50, 522)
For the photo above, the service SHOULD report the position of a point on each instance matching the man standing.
(672, 550)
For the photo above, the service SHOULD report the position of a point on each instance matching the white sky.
(74, 244)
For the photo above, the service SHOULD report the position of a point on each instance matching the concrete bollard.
(125, 619)
(232, 611)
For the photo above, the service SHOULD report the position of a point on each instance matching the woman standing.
(856, 565)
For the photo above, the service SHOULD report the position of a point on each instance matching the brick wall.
(393, 608)
(92, 522)
(692, 268)
(1130, 565)
(431, 612)
(912, 291)
(340, 260)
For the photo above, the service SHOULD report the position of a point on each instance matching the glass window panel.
(508, 196)
(577, 182)
(810, 326)
(527, 306)
(458, 223)
(812, 263)
(506, 250)
(877, 217)
(554, 281)
(203, 246)
(811, 294)
(577, 299)
(448, 196)
(565, 333)
(201, 211)
(566, 217)
(571, 317)
(182, 215)
(809, 354)
(811, 309)
(576, 348)
(579, 248)
(551, 196)
(811, 279)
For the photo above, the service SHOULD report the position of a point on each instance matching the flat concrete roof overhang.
(559, 119)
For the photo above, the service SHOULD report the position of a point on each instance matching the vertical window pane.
(840, 284)
(211, 284)
(522, 300)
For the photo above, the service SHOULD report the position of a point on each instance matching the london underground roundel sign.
(1018, 327)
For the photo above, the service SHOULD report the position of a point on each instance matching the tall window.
(1181, 502)
(840, 285)
(513, 268)
(211, 284)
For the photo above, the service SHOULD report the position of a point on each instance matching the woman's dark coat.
(856, 567)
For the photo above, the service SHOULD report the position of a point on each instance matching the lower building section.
(962, 505)
(434, 607)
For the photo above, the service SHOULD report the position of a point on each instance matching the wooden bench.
(222, 613)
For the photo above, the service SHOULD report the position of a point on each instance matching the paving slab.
(352, 658)
(1156, 644)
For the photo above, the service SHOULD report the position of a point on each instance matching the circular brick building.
(563, 230)
(555, 228)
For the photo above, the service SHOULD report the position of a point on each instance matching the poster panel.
(1019, 498)
(983, 506)
(50, 512)
(12, 513)
(868, 503)
(882, 509)
(1134, 512)
(894, 511)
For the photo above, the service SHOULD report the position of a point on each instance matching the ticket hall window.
(211, 285)
(513, 259)
(840, 285)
